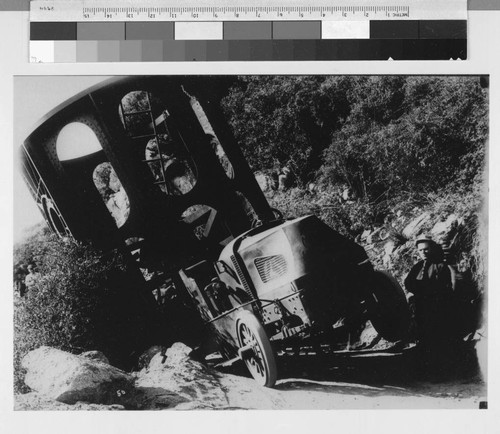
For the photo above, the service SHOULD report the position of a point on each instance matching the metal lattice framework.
(170, 158)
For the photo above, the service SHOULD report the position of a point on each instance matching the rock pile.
(63, 381)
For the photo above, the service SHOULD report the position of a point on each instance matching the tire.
(390, 312)
(261, 361)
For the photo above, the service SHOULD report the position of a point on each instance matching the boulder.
(69, 378)
(444, 231)
(187, 384)
(415, 226)
(95, 355)
(264, 181)
(389, 248)
(184, 377)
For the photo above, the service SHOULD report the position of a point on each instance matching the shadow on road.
(451, 372)
(448, 373)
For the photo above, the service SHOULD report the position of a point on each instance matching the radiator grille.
(271, 267)
(241, 276)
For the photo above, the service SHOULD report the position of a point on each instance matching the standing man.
(429, 281)
(32, 277)
(20, 273)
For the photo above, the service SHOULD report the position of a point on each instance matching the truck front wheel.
(389, 312)
(256, 350)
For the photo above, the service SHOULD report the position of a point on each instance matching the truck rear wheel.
(258, 354)
(390, 313)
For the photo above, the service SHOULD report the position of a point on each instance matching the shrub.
(82, 301)
(409, 135)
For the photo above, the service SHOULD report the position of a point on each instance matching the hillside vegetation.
(82, 300)
(370, 151)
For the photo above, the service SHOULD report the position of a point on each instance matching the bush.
(409, 135)
(384, 137)
(285, 120)
(82, 301)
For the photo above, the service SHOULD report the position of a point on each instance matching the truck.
(150, 166)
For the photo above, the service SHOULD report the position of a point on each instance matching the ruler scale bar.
(472, 5)
(84, 10)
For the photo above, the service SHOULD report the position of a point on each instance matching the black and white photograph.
(250, 242)
(230, 217)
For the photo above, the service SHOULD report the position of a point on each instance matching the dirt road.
(372, 381)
